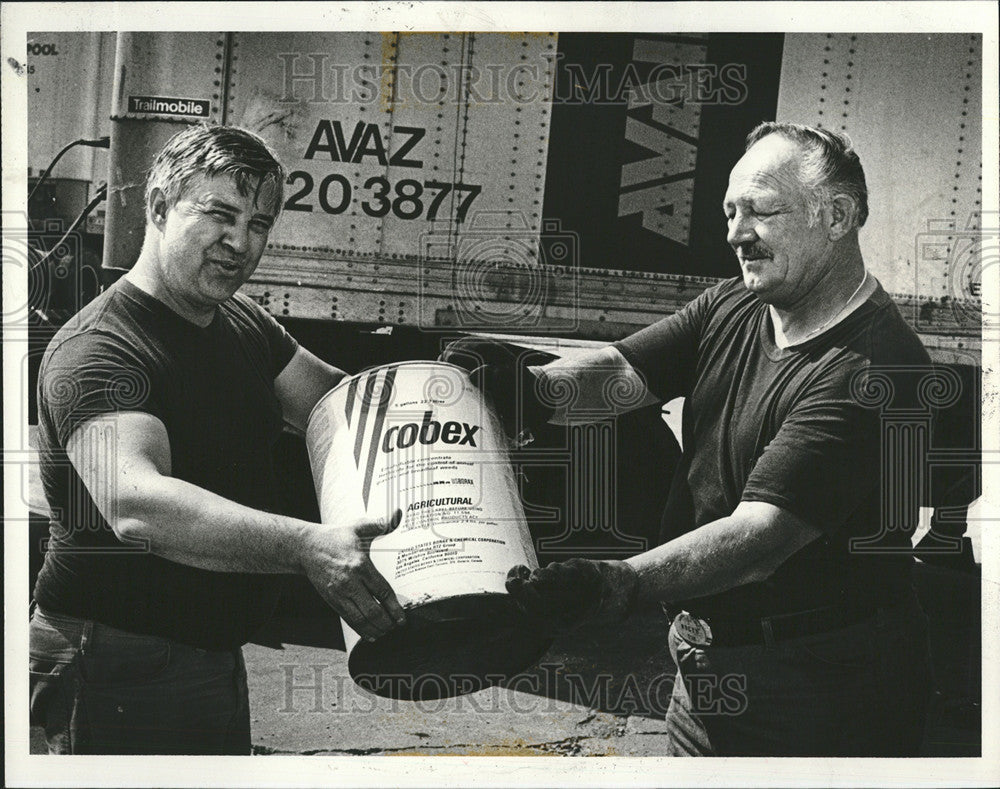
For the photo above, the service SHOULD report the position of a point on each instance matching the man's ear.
(156, 207)
(842, 217)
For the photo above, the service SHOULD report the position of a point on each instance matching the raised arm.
(591, 385)
(305, 379)
(580, 387)
(125, 463)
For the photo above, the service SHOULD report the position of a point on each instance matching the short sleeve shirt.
(804, 428)
(213, 389)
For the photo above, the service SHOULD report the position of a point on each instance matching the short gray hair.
(215, 150)
(830, 167)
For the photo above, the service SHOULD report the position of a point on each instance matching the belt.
(768, 630)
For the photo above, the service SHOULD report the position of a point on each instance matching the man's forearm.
(190, 525)
(745, 547)
(591, 385)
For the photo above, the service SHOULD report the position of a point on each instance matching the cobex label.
(165, 105)
(428, 431)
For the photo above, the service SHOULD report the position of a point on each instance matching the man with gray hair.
(159, 406)
(794, 625)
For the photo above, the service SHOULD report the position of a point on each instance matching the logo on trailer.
(162, 105)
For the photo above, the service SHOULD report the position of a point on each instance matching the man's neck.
(845, 288)
(146, 275)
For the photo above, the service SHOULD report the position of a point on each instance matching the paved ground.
(589, 696)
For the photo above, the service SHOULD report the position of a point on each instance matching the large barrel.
(419, 437)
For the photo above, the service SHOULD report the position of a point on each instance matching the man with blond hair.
(159, 406)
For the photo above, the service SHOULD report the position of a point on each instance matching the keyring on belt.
(693, 629)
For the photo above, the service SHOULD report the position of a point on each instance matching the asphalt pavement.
(601, 693)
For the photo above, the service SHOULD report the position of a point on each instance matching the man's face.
(213, 238)
(781, 247)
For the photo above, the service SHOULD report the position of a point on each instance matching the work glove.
(564, 595)
(500, 371)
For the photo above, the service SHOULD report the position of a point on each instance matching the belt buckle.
(693, 629)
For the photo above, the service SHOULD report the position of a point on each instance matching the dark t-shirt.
(802, 428)
(213, 389)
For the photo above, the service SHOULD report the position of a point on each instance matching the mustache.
(754, 250)
(227, 260)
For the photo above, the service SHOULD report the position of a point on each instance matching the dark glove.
(500, 371)
(564, 595)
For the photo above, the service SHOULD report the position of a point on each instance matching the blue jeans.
(859, 691)
(97, 689)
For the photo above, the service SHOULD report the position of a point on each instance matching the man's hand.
(500, 371)
(562, 596)
(336, 560)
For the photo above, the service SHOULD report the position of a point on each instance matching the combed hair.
(831, 166)
(203, 150)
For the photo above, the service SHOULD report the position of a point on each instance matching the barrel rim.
(346, 381)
